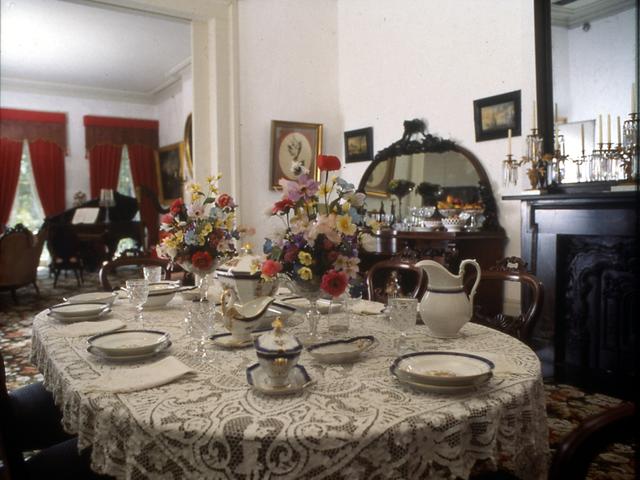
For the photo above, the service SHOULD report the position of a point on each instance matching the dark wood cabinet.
(584, 249)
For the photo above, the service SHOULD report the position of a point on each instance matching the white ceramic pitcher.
(445, 308)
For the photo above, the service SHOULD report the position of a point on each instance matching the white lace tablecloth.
(356, 421)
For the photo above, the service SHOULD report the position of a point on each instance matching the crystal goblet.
(138, 294)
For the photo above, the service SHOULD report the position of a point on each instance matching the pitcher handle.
(463, 264)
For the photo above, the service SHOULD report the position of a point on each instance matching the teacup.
(278, 352)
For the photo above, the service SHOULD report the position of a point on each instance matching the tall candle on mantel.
(582, 137)
(600, 129)
(608, 128)
(509, 142)
(619, 137)
(634, 96)
(534, 121)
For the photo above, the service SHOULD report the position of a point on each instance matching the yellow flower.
(344, 225)
(305, 273)
(255, 266)
(324, 189)
(206, 229)
(346, 206)
(305, 258)
(195, 187)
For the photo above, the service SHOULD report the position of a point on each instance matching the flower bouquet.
(316, 247)
(199, 233)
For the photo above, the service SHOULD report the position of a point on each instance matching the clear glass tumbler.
(152, 273)
(403, 313)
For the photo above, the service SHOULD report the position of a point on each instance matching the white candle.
(534, 121)
(555, 113)
(582, 137)
(608, 128)
(634, 94)
(619, 137)
(509, 142)
(600, 129)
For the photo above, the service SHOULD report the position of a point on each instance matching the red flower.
(166, 218)
(334, 283)
(283, 206)
(201, 260)
(176, 206)
(224, 200)
(270, 268)
(328, 163)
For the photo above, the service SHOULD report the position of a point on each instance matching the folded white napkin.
(323, 304)
(367, 307)
(82, 329)
(124, 380)
(504, 365)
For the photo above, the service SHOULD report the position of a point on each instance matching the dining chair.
(508, 270)
(395, 276)
(65, 250)
(30, 420)
(131, 267)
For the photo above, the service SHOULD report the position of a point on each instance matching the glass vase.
(311, 291)
(201, 277)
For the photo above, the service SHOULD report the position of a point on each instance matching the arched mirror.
(421, 171)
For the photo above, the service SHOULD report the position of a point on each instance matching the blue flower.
(190, 237)
(268, 246)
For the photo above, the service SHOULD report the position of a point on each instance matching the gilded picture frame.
(170, 172)
(293, 143)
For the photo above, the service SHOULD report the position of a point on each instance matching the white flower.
(368, 242)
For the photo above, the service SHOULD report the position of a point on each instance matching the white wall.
(408, 59)
(171, 110)
(287, 71)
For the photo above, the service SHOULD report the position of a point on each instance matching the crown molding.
(571, 17)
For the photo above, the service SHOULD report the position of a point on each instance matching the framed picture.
(293, 143)
(494, 116)
(378, 181)
(358, 145)
(169, 170)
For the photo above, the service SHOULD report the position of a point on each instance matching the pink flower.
(224, 200)
(328, 163)
(166, 218)
(201, 260)
(334, 283)
(304, 187)
(283, 206)
(271, 268)
(195, 210)
(176, 206)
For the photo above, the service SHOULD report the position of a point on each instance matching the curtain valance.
(120, 131)
(16, 124)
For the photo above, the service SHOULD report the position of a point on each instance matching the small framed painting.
(494, 116)
(294, 146)
(358, 145)
(169, 171)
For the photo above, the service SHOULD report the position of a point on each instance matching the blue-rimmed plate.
(128, 342)
(342, 350)
(299, 379)
(443, 368)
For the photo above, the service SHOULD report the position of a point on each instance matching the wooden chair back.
(110, 269)
(411, 279)
(511, 269)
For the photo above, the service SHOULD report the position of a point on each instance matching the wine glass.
(402, 314)
(138, 294)
(200, 324)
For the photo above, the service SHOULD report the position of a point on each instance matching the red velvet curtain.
(104, 166)
(142, 161)
(47, 161)
(10, 155)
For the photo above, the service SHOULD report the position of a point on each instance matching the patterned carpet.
(567, 406)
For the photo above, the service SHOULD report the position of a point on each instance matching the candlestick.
(619, 138)
(509, 142)
(608, 128)
(600, 129)
(582, 137)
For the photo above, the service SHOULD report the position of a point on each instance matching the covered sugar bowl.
(278, 352)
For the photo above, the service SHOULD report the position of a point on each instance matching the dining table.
(353, 420)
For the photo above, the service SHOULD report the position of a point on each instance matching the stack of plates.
(128, 344)
(94, 297)
(78, 312)
(442, 372)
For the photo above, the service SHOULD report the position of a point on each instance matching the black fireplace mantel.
(584, 248)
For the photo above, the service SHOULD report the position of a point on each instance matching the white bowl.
(454, 224)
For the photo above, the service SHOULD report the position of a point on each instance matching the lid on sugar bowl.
(277, 342)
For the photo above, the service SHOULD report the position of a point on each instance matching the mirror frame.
(544, 72)
(427, 143)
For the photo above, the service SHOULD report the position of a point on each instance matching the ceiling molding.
(65, 89)
(569, 16)
(200, 10)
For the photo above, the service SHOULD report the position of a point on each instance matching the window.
(125, 178)
(26, 205)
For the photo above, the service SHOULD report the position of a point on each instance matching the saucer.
(129, 358)
(259, 381)
(80, 318)
(225, 340)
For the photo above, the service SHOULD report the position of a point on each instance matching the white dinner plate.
(78, 309)
(129, 358)
(443, 368)
(341, 351)
(299, 379)
(83, 318)
(128, 342)
(92, 297)
(425, 387)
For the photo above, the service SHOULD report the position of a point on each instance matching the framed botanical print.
(169, 170)
(293, 144)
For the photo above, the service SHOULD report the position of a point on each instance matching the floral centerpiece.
(200, 232)
(316, 247)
